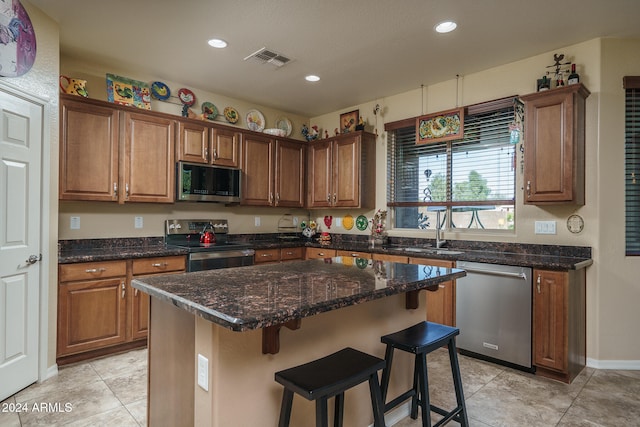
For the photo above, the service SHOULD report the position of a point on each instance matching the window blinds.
(632, 168)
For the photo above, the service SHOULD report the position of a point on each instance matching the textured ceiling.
(362, 49)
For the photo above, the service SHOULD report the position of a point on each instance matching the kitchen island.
(233, 319)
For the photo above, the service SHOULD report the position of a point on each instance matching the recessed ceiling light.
(446, 27)
(217, 43)
(312, 78)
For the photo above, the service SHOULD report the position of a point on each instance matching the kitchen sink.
(431, 251)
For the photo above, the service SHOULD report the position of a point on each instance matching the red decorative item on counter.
(328, 220)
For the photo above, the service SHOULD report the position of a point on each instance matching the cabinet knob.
(538, 282)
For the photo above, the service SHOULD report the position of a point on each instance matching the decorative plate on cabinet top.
(255, 120)
(284, 124)
(187, 97)
(347, 222)
(160, 91)
(209, 110)
(362, 223)
(231, 114)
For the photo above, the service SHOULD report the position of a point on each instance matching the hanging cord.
(457, 89)
(422, 100)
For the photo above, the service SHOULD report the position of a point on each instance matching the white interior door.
(21, 135)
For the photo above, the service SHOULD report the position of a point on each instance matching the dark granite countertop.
(549, 257)
(266, 295)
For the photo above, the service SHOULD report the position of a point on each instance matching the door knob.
(33, 259)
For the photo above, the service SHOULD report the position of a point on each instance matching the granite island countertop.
(260, 296)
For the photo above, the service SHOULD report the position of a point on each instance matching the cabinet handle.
(289, 253)
(441, 286)
(321, 253)
(215, 154)
(158, 264)
(334, 197)
(355, 255)
(135, 292)
(266, 255)
(328, 198)
(528, 188)
(115, 190)
(123, 290)
(95, 270)
(538, 282)
(277, 198)
(206, 154)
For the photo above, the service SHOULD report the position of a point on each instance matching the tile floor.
(112, 392)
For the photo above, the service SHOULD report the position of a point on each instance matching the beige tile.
(610, 398)
(129, 388)
(56, 388)
(75, 404)
(119, 417)
(9, 413)
(121, 365)
(139, 411)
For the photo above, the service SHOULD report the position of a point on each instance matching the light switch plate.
(545, 227)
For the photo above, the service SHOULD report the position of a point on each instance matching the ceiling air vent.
(267, 56)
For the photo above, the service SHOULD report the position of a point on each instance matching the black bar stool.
(421, 339)
(332, 376)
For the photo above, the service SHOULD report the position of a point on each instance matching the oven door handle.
(197, 256)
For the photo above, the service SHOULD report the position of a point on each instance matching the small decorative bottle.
(573, 77)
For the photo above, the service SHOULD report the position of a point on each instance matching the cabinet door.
(319, 176)
(91, 315)
(289, 254)
(139, 301)
(554, 146)
(193, 144)
(346, 172)
(441, 304)
(289, 174)
(88, 151)
(149, 170)
(550, 299)
(225, 147)
(257, 170)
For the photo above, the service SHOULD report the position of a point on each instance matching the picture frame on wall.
(441, 126)
(348, 121)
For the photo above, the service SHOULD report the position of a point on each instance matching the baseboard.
(623, 365)
(51, 372)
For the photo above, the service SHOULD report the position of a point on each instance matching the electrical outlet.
(74, 223)
(138, 222)
(257, 221)
(545, 227)
(203, 372)
(295, 221)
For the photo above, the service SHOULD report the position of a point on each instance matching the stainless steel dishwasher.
(493, 313)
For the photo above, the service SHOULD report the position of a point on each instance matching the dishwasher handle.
(520, 275)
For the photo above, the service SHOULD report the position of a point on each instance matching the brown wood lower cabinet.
(559, 323)
(98, 310)
(441, 304)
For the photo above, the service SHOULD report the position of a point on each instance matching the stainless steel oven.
(210, 253)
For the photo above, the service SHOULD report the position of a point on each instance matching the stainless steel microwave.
(206, 183)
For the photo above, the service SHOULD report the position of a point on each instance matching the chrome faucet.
(439, 242)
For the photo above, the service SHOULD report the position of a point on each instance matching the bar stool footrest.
(448, 415)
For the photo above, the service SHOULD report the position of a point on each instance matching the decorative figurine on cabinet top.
(310, 134)
(360, 125)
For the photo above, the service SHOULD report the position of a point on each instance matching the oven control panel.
(196, 226)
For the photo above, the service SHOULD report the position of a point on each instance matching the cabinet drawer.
(392, 258)
(291, 253)
(312, 253)
(159, 265)
(92, 270)
(267, 255)
(354, 254)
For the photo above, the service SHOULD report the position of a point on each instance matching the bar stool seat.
(421, 339)
(331, 376)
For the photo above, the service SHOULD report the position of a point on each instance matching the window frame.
(469, 112)
(631, 86)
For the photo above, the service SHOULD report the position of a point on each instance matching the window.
(470, 180)
(632, 165)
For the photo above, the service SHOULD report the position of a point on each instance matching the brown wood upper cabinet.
(110, 153)
(554, 145)
(203, 143)
(272, 171)
(341, 171)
